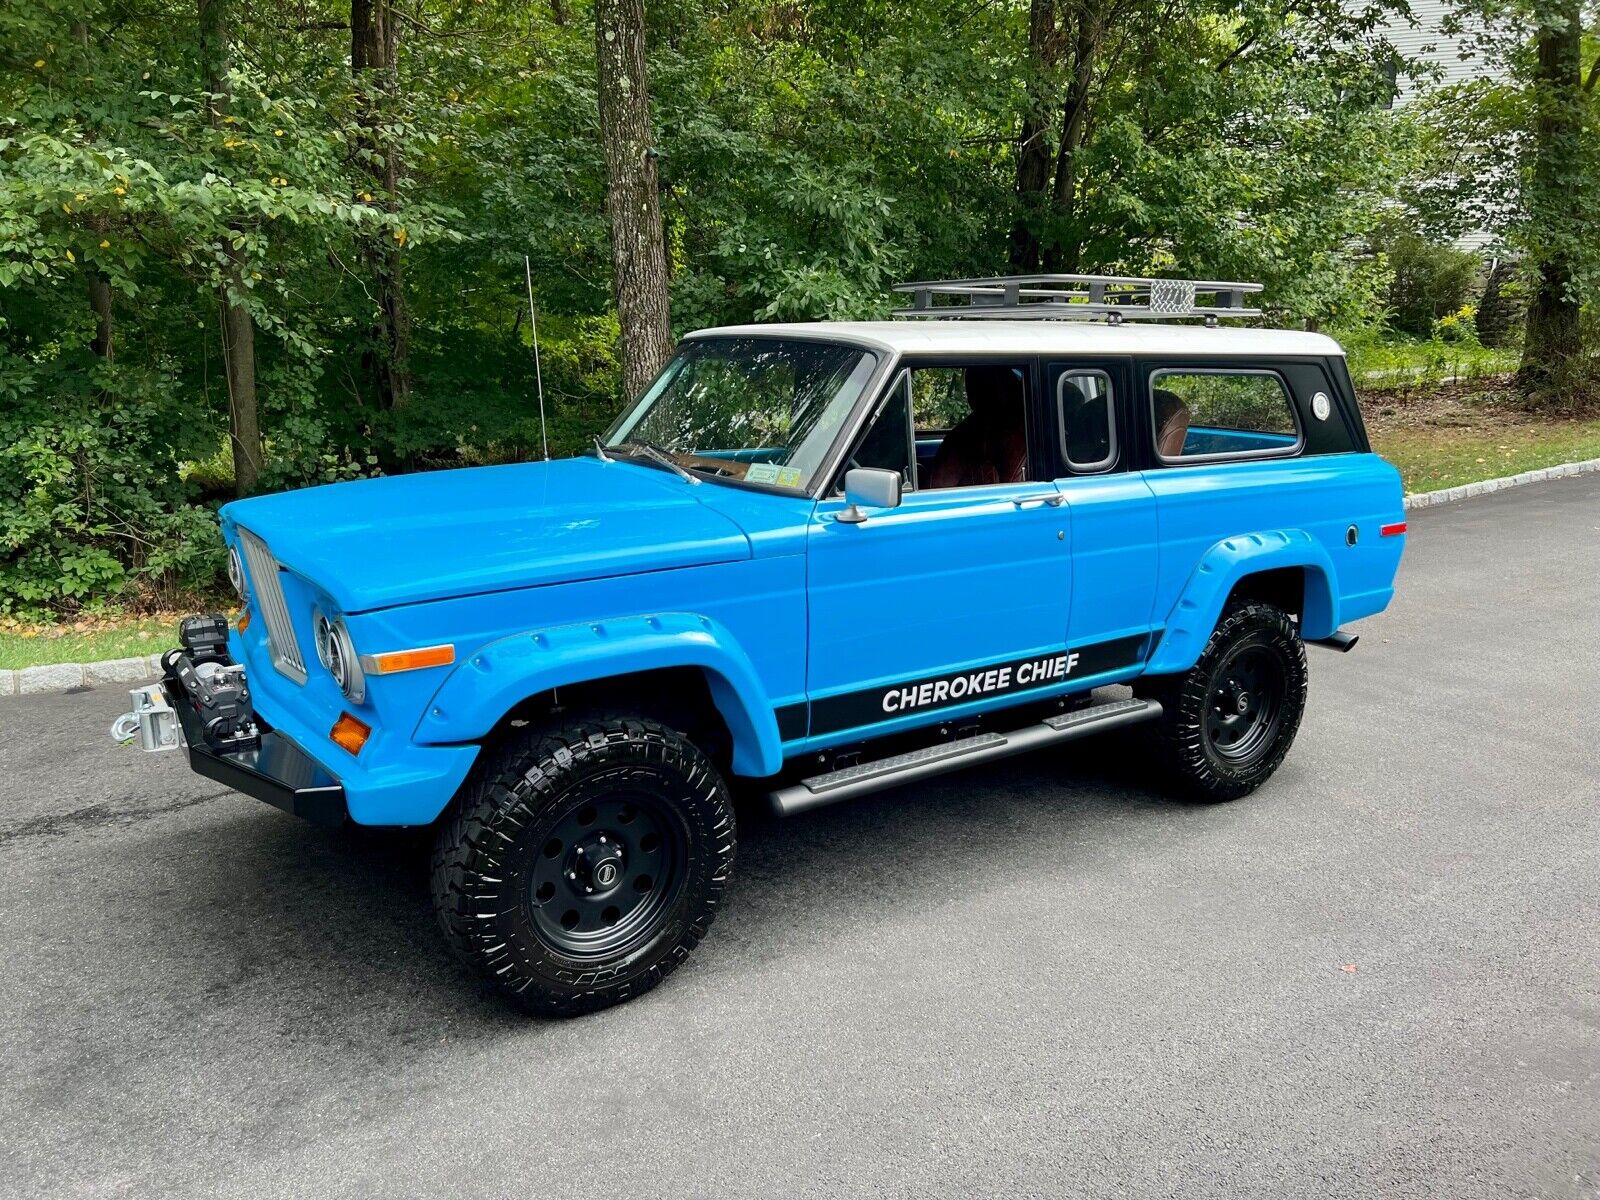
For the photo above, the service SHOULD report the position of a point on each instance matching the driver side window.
(952, 426)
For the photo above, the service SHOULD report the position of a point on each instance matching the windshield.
(764, 410)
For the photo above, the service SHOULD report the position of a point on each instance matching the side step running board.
(953, 756)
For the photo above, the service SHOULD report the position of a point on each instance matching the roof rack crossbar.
(1112, 298)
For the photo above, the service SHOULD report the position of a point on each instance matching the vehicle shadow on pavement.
(337, 929)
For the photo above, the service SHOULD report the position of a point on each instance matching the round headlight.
(337, 653)
(236, 572)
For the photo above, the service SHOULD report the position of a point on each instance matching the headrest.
(992, 387)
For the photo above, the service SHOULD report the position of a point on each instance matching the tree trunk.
(638, 251)
(239, 362)
(375, 61)
(1552, 351)
(100, 302)
(1033, 150)
(238, 330)
(1064, 255)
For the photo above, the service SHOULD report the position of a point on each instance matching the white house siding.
(1424, 41)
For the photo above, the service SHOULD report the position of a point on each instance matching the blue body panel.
(810, 632)
(408, 539)
(1302, 508)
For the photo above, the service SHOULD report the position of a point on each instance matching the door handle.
(1055, 501)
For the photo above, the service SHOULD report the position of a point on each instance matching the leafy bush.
(1431, 281)
(93, 506)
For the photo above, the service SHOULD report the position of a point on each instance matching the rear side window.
(1221, 414)
(1083, 409)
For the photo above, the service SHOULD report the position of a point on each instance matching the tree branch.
(1228, 59)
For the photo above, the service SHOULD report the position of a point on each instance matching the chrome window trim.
(283, 647)
(1183, 460)
(1106, 463)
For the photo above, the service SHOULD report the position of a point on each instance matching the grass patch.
(88, 640)
(1445, 436)
(1431, 458)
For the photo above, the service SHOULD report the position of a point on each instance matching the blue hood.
(374, 543)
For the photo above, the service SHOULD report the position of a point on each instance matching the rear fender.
(1199, 607)
(487, 685)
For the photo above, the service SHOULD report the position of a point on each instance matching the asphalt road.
(1379, 976)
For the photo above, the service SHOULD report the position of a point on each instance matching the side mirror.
(868, 487)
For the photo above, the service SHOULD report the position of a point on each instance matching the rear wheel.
(1228, 722)
(584, 861)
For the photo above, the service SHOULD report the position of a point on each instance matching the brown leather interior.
(1172, 423)
(989, 444)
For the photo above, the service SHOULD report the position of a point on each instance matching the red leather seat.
(989, 444)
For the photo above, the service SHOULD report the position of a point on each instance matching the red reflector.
(1392, 530)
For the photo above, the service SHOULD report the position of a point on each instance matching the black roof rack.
(1111, 298)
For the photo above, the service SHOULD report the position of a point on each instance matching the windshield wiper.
(657, 454)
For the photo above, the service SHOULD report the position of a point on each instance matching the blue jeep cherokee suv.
(818, 559)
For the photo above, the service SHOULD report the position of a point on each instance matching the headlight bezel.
(236, 573)
(336, 651)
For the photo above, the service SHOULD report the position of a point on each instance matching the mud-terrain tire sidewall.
(485, 852)
(1192, 762)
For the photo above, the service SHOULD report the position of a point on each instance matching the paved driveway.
(1036, 979)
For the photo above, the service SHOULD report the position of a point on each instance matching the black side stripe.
(930, 693)
(791, 721)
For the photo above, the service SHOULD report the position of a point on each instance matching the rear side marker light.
(396, 661)
(350, 733)
(1397, 528)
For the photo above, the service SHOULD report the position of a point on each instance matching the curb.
(66, 677)
(1485, 486)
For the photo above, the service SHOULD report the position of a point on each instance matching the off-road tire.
(1196, 763)
(497, 840)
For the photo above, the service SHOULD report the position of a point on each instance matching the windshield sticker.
(789, 477)
(764, 473)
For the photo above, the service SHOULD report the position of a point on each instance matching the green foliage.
(810, 156)
(1430, 282)
(1518, 155)
(89, 500)
(1378, 359)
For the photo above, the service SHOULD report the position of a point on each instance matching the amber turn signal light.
(350, 733)
(396, 661)
(244, 620)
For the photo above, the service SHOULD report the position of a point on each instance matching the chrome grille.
(268, 594)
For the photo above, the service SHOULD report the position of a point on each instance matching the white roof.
(968, 336)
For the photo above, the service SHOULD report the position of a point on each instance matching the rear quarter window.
(1209, 413)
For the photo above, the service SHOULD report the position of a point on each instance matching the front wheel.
(583, 861)
(1229, 720)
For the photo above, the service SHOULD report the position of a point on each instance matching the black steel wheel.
(1228, 721)
(607, 871)
(1246, 704)
(583, 861)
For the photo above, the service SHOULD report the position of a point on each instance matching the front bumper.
(277, 771)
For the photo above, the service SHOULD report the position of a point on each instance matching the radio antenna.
(538, 375)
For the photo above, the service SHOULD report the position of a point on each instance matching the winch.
(215, 686)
